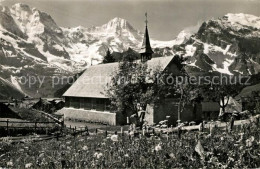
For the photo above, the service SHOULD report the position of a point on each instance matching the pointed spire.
(146, 49)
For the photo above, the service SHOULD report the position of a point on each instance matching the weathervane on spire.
(146, 18)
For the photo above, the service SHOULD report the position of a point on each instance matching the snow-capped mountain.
(31, 42)
(117, 35)
(229, 45)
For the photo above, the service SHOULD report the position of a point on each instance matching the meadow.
(216, 148)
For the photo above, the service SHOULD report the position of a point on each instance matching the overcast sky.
(166, 17)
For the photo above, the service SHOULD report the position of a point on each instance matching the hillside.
(229, 45)
(8, 90)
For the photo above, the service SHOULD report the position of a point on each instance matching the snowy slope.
(229, 45)
(7, 90)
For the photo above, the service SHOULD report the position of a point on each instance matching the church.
(86, 100)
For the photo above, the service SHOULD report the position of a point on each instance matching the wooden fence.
(8, 126)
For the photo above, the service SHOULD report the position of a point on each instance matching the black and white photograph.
(129, 84)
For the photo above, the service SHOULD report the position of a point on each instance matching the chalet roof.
(93, 81)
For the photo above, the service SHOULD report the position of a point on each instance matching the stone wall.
(89, 115)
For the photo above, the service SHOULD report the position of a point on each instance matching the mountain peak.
(21, 6)
(118, 22)
(243, 19)
(117, 19)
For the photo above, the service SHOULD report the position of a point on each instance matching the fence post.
(122, 131)
(7, 126)
(35, 126)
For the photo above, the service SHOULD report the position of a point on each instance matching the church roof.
(93, 81)
(146, 46)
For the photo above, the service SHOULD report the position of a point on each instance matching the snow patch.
(16, 84)
(244, 20)
(225, 69)
(190, 50)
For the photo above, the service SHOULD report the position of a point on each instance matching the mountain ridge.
(31, 42)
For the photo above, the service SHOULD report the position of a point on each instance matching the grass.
(31, 115)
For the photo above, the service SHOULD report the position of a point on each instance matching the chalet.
(86, 99)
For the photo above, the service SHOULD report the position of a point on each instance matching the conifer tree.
(108, 58)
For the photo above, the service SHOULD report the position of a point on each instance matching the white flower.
(81, 140)
(213, 160)
(158, 147)
(249, 142)
(241, 148)
(172, 155)
(126, 155)
(28, 165)
(10, 163)
(221, 138)
(114, 137)
(230, 159)
(200, 150)
(41, 155)
(98, 155)
(85, 148)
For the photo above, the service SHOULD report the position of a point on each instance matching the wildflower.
(172, 156)
(158, 147)
(85, 148)
(114, 138)
(126, 155)
(249, 142)
(131, 133)
(28, 165)
(81, 140)
(221, 138)
(213, 160)
(98, 155)
(230, 159)
(200, 150)
(9, 164)
(41, 155)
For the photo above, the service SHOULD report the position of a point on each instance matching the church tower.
(146, 50)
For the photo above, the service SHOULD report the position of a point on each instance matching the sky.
(166, 17)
